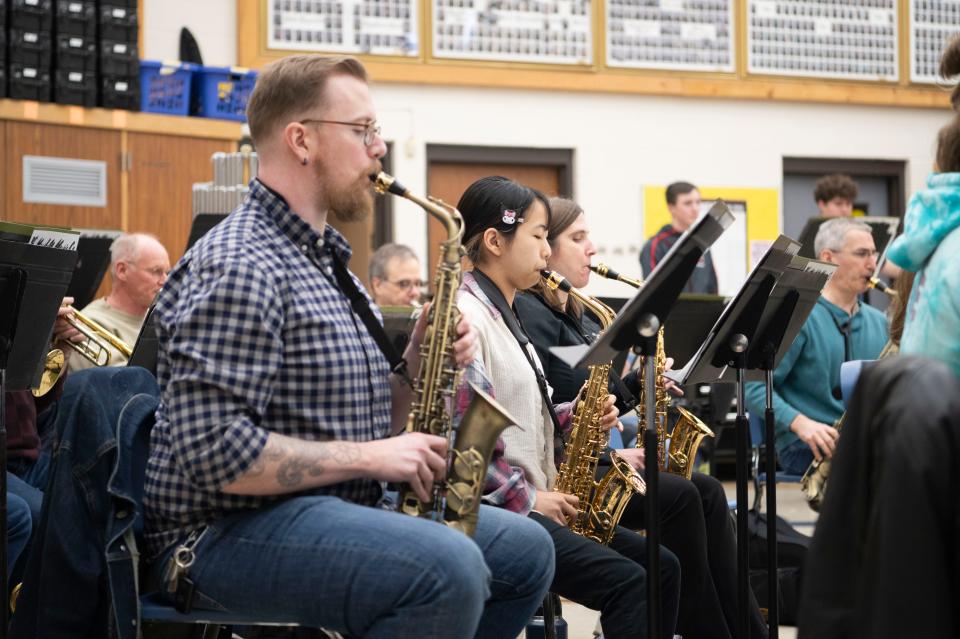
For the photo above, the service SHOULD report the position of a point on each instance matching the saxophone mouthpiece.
(555, 281)
(386, 183)
(881, 286)
(603, 270)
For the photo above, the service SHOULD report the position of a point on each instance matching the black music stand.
(202, 222)
(145, 349)
(731, 353)
(33, 280)
(883, 229)
(93, 258)
(636, 326)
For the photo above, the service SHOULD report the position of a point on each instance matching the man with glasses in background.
(138, 268)
(395, 276)
(806, 397)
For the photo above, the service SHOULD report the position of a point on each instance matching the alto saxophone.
(601, 503)
(689, 430)
(456, 500)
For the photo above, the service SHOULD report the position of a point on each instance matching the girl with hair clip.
(506, 240)
(695, 520)
(930, 244)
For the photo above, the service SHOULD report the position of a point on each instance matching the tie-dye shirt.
(930, 246)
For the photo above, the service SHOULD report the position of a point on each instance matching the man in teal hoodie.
(805, 384)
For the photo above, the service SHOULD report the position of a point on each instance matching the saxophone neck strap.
(361, 306)
(493, 293)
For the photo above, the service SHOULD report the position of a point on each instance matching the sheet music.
(50, 238)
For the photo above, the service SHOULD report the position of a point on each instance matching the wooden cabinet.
(53, 140)
(162, 170)
(152, 162)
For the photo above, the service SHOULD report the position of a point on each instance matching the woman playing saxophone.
(506, 240)
(695, 524)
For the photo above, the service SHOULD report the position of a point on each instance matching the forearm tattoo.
(293, 466)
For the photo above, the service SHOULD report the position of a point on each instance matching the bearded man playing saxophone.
(273, 432)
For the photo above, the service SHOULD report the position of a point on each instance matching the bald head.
(139, 264)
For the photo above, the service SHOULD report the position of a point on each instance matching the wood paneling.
(448, 181)
(118, 120)
(163, 170)
(24, 138)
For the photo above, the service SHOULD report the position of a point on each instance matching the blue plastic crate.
(222, 92)
(165, 86)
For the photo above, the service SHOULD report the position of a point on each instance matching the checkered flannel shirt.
(255, 337)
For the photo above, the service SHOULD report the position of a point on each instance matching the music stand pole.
(648, 327)
(768, 344)
(738, 346)
(773, 583)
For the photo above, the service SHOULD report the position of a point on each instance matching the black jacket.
(884, 560)
(548, 327)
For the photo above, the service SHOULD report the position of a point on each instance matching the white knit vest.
(529, 445)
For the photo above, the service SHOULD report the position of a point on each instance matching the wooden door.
(360, 236)
(4, 185)
(448, 181)
(26, 138)
(163, 169)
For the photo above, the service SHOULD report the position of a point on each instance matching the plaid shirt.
(505, 485)
(255, 337)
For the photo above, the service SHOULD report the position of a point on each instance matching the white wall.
(620, 142)
(212, 22)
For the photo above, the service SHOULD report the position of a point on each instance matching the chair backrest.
(133, 439)
(849, 374)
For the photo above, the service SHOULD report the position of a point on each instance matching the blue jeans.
(19, 526)
(374, 573)
(27, 479)
(795, 458)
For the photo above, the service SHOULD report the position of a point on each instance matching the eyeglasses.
(408, 284)
(862, 254)
(371, 130)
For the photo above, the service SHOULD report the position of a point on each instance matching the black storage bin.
(28, 83)
(75, 87)
(120, 92)
(76, 53)
(30, 15)
(76, 17)
(3, 80)
(119, 58)
(118, 23)
(30, 48)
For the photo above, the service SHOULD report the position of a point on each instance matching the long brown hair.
(898, 305)
(564, 213)
(948, 140)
